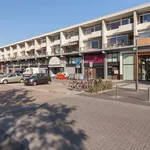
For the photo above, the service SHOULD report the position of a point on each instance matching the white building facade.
(106, 42)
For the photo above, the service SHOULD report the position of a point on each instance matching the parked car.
(19, 71)
(11, 78)
(38, 78)
(1, 74)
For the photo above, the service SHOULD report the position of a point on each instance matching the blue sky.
(22, 19)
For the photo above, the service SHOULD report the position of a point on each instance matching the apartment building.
(105, 47)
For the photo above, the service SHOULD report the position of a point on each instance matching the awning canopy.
(54, 61)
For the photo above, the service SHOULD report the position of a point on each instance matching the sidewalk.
(124, 95)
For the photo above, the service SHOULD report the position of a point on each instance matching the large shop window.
(113, 57)
(72, 60)
(128, 67)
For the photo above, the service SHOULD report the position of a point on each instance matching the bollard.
(116, 91)
(149, 94)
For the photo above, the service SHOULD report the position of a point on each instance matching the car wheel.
(49, 82)
(5, 81)
(34, 83)
(21, 81)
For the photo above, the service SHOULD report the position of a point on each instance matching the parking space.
(42, 93)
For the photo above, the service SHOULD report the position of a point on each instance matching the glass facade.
(118, 40)
(128, 66)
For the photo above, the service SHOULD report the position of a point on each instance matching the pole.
(137, 68)
(149, 94)
(116, 91)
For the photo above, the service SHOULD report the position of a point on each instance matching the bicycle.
(72, 85)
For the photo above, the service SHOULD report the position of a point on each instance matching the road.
(49, 117)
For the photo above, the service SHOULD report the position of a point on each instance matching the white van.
(30, 71)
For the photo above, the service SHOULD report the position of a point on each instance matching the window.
(19, 74)
(72, 60)
(144, 18)
(113, 57)
(93, 44)
(92, 29)
(98, 28)
(113, 25)
(144, 34)
(12, 75)
(120, 40)
(125, 21)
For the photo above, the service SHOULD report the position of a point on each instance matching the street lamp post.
(137, 64)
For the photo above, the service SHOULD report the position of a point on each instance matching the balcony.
(32, 47)
(22, 49)
(91, 35)
(143, 41)
(121, 29)
(88, 49)
(119, 44)
(56, 42)
(72, 39)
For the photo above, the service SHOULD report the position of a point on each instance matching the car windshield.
(35, 75)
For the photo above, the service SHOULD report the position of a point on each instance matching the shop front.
(94, 65)
(113, 65)
(71, 64)
(56, 65)
(144, 66)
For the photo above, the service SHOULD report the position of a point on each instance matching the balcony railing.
(71, 50)
(143, 41)
(119, 44)
(85, 48)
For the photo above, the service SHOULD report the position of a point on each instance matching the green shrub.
(99, 85)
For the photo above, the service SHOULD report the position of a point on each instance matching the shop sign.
(78, 63)
(115, 71)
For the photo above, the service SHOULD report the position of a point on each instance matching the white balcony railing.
(92, 35)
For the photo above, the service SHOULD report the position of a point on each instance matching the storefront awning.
(54, 62)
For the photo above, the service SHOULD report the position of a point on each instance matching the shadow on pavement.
(43, 126)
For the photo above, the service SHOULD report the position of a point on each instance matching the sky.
(23, 19)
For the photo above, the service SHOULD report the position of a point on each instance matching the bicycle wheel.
(79, 87)
(86, 87)
(70, 86)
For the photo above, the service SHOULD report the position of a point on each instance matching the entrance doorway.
(100, 72)
(144, 68)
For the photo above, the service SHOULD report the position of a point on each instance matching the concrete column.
(82, 64)
(104, 33)
(62, 40)
(13, 68)
(135, 18)
(121, 66)
(105, 66)
(81, 35)
(48, 46)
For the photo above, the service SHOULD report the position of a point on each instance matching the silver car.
(12, 78)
